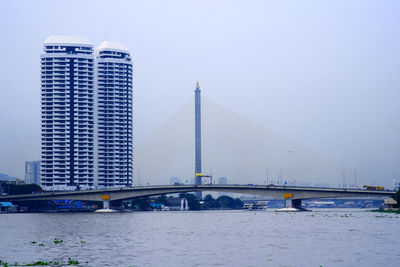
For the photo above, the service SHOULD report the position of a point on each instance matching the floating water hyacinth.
(72, 262)
(37, 263)
(57, 241)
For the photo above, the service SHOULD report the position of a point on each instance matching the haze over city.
(323, 75)
(199, 133)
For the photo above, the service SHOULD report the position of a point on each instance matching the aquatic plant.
(41, 263)
(385, 211)
(37, 263)
(57, 241)
(72, 262)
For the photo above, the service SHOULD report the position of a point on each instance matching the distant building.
(173, 180)
(177, 204)
(304, 184)
(32, 172)
(396, 184)
(5, 179)
(222, 180)
(322, 185)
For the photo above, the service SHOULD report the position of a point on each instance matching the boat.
(259, 205)
(248, 206)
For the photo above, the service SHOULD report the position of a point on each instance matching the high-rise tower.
(114, 115)
(197, 110)
(67, 113)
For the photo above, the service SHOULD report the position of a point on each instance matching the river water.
(204, 238)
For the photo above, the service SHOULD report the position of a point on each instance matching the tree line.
(209, 203)
(19, 189)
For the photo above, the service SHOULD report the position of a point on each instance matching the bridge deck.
(275, 192)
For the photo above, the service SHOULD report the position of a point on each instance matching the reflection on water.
(209, 238)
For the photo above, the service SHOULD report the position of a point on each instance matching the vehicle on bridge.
(373, 188)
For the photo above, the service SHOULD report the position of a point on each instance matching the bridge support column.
(292, 204)
(106, 204)
(296, 203)
(289, 203)
(106, 201)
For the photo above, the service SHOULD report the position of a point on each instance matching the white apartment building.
(67, 113)
(114, 115)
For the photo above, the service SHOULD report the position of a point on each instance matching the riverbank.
(386, 211)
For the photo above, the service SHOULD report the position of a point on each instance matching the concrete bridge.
(117, 195)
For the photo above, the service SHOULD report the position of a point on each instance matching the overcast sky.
(324, 74)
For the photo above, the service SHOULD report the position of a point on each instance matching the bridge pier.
(296, 203)
(106, 204)
(292, 204)
(106, 201)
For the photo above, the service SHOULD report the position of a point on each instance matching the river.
(324, 237)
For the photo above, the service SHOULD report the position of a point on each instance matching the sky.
(321, 73)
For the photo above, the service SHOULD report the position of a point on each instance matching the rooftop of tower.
(114, 46)
(67, 39)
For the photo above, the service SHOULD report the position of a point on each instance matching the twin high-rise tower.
(86, 114)
(114, 105)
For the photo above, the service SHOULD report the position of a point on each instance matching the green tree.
(210, 202)
(161, 199)
(141, 203)
(230, 203)
(238, 203)
(208, 198)
(226, 202)
(19, 189)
